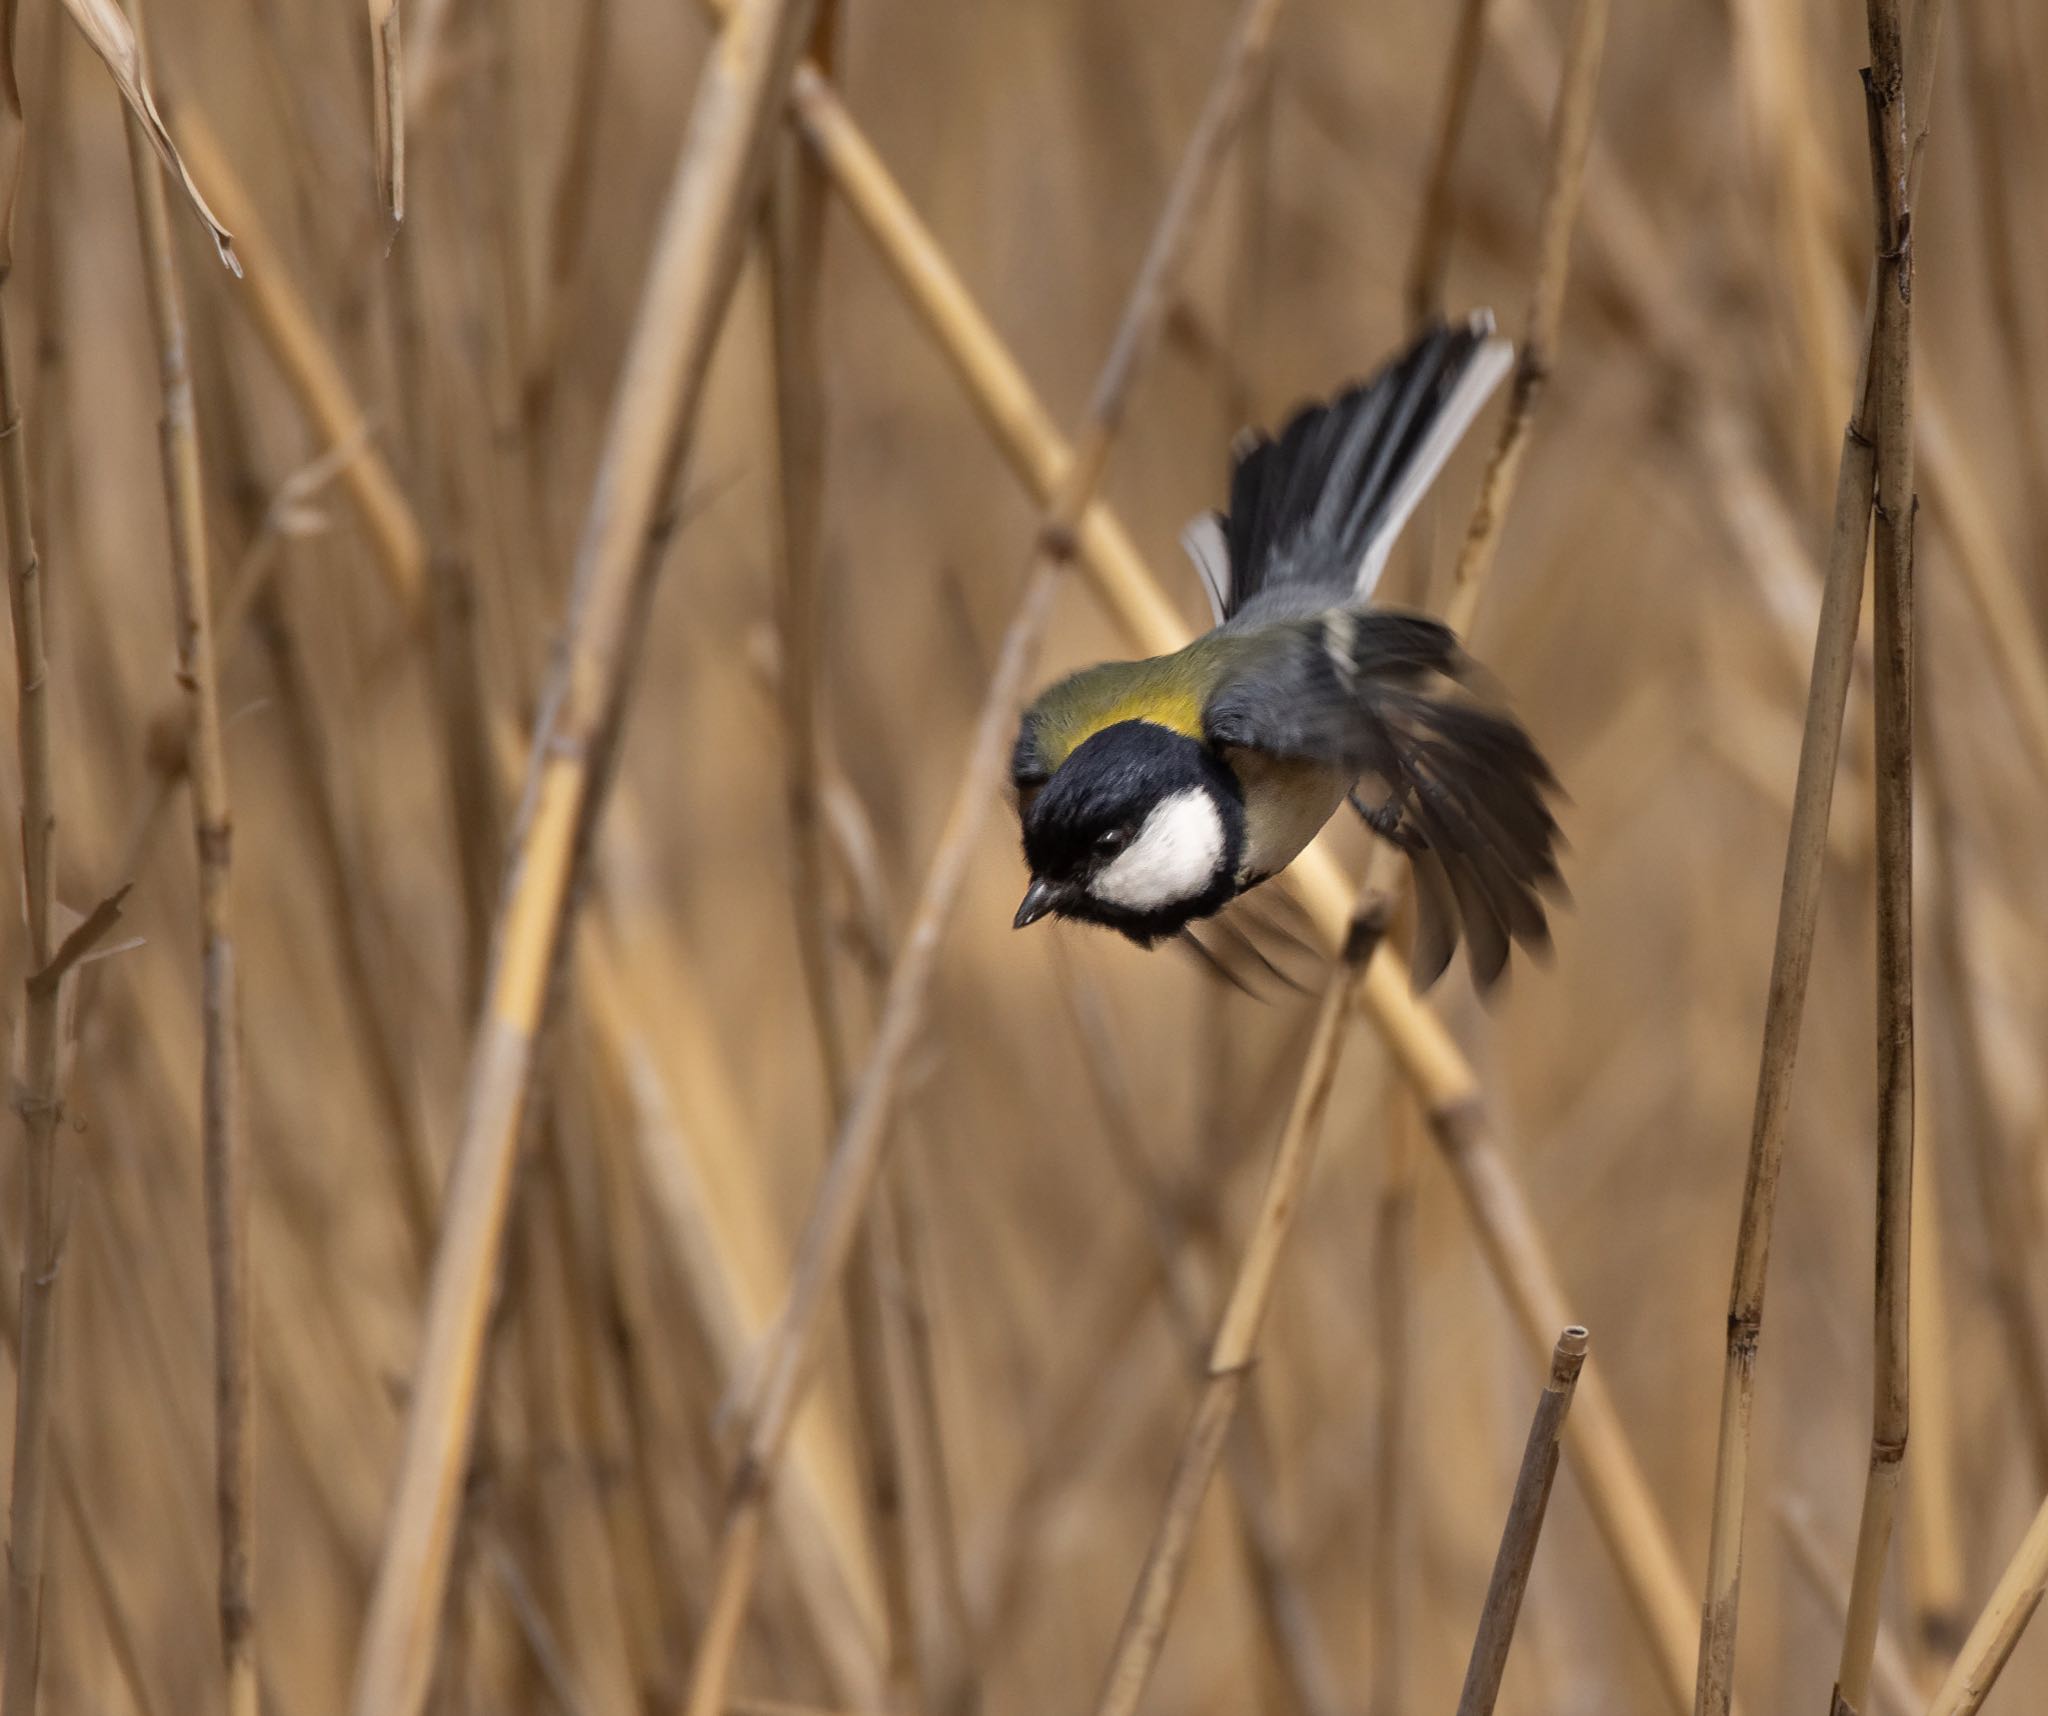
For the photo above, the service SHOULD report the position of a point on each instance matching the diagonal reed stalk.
(1524, 1526)
(1792, 953)
(1143, 1633)
(223, 1132)
(1891, 422)
(863, 1135)
(1630, 1523)
(1429, 263)
(689, 284)
(1996, 1633)
(1571, 135)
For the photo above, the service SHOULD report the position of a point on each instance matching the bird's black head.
(1141, 829)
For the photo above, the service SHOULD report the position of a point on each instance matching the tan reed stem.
(1632, 1526)
(2012, 1260)
(1284, 1610)
(863, 1135)
(1393, 1314)
(223, 1130)
(1143, 1633)
(1524, 1526)
(1891, 1681)
(1429, 264)
(1891, 422)
(288, 328)
(387, 105)
(1571, 133)
(689, 283)
(38, 1095)
(794, 251)
(1820, 744)
(1997, 1630)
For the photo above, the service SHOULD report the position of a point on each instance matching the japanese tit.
(1153, 793)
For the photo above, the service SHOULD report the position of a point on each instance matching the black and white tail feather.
(1314, 513)
(1313, 516)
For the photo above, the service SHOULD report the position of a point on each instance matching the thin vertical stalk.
(37, 1095)
(1393, 1311)
(1143, 1633)
(864, 1134)
(223, 1133)
(1891, 407)
(794, 253)
(1524, 1526)
(689, 284)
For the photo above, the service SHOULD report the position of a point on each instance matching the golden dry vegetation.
(408, 443)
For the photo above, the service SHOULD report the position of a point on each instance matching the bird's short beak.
(1039, 899)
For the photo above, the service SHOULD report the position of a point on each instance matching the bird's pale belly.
(1286, 804)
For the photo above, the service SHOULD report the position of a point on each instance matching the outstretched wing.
(1385, 694)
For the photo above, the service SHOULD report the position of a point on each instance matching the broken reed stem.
(1143, 1633)
(1997, 1630)
(689, 284)
(1524, 1526)
(223, 1131)
(1571, 133)
(1632, 1526)
(863, 1135)
(1891, 412)
(1430, 262)
(37, 1097)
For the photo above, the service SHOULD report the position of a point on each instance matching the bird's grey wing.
(1383, 693)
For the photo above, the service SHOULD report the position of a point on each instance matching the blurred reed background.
(399, 438)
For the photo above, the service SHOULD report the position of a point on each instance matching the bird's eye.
(1112, 841)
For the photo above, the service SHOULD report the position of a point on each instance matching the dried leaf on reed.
(113, 39)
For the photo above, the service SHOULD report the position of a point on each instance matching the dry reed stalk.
(39, 1045)
(1891, 1680)
(387, 105)
(1997, 1629)
(1571, 133)
(1143, 1633)
(1284, 1609)
(1393, 1480)
(689, 283)
(1791, 967)
(1890, 420)
(794, 256)
(1632, 1526)
(1935, 1567)
(2010, 1245)
(223, 1129)
(289, 330)
(1792, 181)
(1429, 263)
(1524, 1526)
(1993, 58)
(863, 1136)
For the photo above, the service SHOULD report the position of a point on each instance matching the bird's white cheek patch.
(1175, 856)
